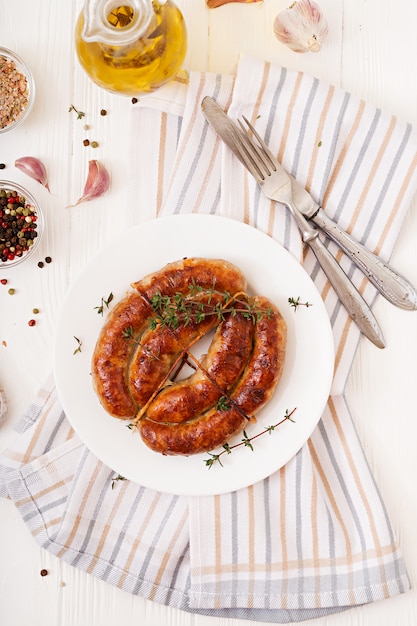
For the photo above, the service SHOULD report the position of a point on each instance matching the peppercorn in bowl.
(21, 224)
(17, 90)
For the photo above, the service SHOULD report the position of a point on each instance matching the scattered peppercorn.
(3, 281)
(33, 323)
(35, 311)
(103, 112)
(48, 259)
(2, 166)
(40, 264)
(86, 142)
(11, 291)
(94, 144)
(134, 100)
(44, 572)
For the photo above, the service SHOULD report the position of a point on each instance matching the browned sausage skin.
(130, 318)
(213, 428)
(218, 372)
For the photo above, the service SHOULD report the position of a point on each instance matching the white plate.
(271, 271)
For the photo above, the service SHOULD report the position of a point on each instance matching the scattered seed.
(40, 264)
(103, 112)
(48, 259)
(2, 166)
(11, 291)
(44, 572)
(86, 142)
(94, 144)
(3, 281)
(32, 323)
(86, 127)
(134, 100)
(35, 311)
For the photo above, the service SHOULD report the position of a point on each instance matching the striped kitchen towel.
(314, 538)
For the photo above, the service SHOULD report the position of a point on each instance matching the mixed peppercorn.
(18, 225)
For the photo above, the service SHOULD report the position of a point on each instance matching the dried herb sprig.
(246, 441)
(104, 303)
(295, 303)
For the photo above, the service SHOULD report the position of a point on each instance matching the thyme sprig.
(104, 303)
(115, 479)
(246, 441)
(295, 303)
(80, 114)
(179, 309)
(79, 344)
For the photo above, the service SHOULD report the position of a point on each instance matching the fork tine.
(255, 152)
(246, 154)
(261, 142)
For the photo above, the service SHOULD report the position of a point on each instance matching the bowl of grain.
(17, 90)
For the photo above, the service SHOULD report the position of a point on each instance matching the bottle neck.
(117, 22)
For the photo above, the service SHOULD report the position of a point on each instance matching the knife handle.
(392, 285)
(347, 293)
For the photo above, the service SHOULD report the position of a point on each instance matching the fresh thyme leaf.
(215, 458)
(223, 404)
(115, 479)
(104, 303)
(79, 342)
(80, 114)
(295, 303)
(127, 333)
(247, 441)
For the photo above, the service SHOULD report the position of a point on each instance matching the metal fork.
(276, 185)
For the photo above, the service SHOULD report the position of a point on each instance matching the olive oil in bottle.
(132, 48)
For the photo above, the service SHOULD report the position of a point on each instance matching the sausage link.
(223, 365)
(213, 428)
(265, 366)
(180, 275)
(162, 347)
(113, 352)
(201, 434)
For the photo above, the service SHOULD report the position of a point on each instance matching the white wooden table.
(371, 51)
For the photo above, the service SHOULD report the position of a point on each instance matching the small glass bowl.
(17, 256)
(18, 65)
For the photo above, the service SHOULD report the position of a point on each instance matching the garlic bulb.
(302, 27)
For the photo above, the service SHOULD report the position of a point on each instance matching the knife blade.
(390, 283)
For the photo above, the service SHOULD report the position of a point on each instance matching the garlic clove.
(212, 4)
(302, 26)
(34, 168)
(97, 183)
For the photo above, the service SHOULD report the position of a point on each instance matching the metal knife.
(392, 285)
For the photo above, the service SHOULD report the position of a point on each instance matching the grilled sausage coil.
(133, 362)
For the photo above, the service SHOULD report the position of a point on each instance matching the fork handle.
(394, 287)
(350, 297)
